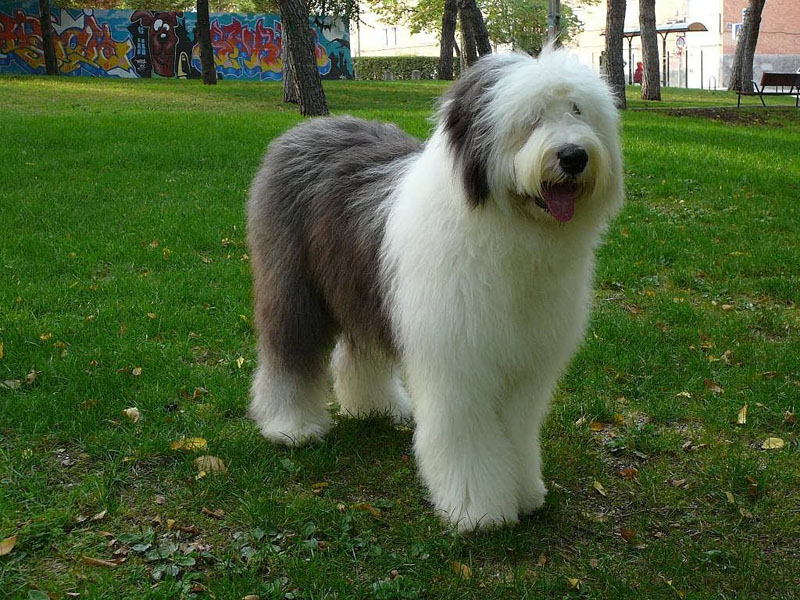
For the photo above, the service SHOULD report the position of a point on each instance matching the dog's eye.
(576, 110)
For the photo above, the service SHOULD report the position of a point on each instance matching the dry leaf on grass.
(7, 545)
(192, 444)
(132, 413)
(599, 487)
(136, 371)
(251, 597)
(789, 418)
(542, 560)
(772, 443)
(574, 583)
(375, 512)
(629, 472)
(627, 534)
(100, 516)
(2, 351)
(214, 514)
(731, 499)
(596, 426)
(210, 464)
(461, 569)
(715, 388)
(240, 362)
(741, 418)
(99, 562)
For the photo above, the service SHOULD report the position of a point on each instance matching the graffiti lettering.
(125, 43)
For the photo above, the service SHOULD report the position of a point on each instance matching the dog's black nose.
(572, 159)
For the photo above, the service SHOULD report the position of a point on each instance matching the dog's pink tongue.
(560, 200)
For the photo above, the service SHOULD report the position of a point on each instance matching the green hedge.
(373, 67)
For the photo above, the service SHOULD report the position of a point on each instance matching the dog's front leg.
(463, 452)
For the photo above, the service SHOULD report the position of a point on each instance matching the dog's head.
(535, 134)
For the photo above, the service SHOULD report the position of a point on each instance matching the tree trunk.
(469, 51)
(299, 43)
(203, 34)
(614, 64)
(651, 83)
(479, 30)
(290, 93)
(742, 68)
(50, 62)
(449, 17)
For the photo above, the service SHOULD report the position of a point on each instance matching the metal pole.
(664, 60)
(630, 61)
(701, 70)
(686, 69)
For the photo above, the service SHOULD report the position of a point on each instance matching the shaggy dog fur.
(467, 260)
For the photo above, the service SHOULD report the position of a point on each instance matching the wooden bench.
(775, 81)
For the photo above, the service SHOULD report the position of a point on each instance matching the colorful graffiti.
(125, 43)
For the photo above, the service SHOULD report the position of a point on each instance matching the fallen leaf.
(629, 472)
(542, 560)
(136, 371)
(211, 464)
(154, 244)
(45, 336)
(745, 513)
(7, 545)
(151, 316)
(727, 306)
(375, 512)
(731, 499)
(594, 563)
(251, 597)
(160, 500)
(627, 534)
(596, 426)
(200, 475)
(240, 362)
(461, 570)
(214, 514)
(2, 351)
(573, 583)
(170, 524)
(341, 507)
(684, 395)
(714, 387)
(12, 384)
(772, 443)
(100, 516)
(192, 444)
(619, 419)
(599, 487)
(789, 418)
(741, 418)
(167, 253)
(678, 482)
(580, 421)
(132, 413)
(99, 562)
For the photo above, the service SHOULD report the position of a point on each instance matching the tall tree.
(300, 48)
(614, 63)
(290, 92)
(469, 49)
(473, 12)
(50, 62)
(203, 34)
(448, 39)
(651, 84)
(742, 68)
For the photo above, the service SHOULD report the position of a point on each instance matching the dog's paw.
(472, 518)
(295, 434)
(533, 497)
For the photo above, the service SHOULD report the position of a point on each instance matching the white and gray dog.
(467, 260)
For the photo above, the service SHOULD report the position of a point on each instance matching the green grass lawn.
(124, 282)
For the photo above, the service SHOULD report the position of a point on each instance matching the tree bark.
(469, 51)
(203, 34)
(651, 82)
(614, 63)
(479, 32)
(742, 67)
(299, 43)
(449, 17)
(290, 93)
(50, 62)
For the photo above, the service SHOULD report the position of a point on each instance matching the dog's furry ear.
(462, 116)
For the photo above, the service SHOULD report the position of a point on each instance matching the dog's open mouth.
(558, 199)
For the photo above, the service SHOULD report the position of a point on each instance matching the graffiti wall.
(140, 43)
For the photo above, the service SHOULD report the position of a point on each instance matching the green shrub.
(373, 67)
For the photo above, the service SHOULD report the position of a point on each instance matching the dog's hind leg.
(366, 385)
(290, 387)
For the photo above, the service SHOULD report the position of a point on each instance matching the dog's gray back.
(315, 227)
